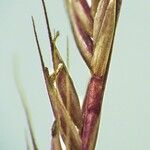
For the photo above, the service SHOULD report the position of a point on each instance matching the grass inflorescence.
(93, 28)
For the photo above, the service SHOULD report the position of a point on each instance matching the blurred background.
(125, 122)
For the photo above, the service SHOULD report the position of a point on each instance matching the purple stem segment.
(91, 110)
(85, 5)
(86, 9)
(86, 38)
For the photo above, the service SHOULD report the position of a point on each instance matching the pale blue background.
(125, 121)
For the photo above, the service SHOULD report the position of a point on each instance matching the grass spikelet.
(94, 29)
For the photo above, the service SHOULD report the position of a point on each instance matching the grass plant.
(93, 28)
